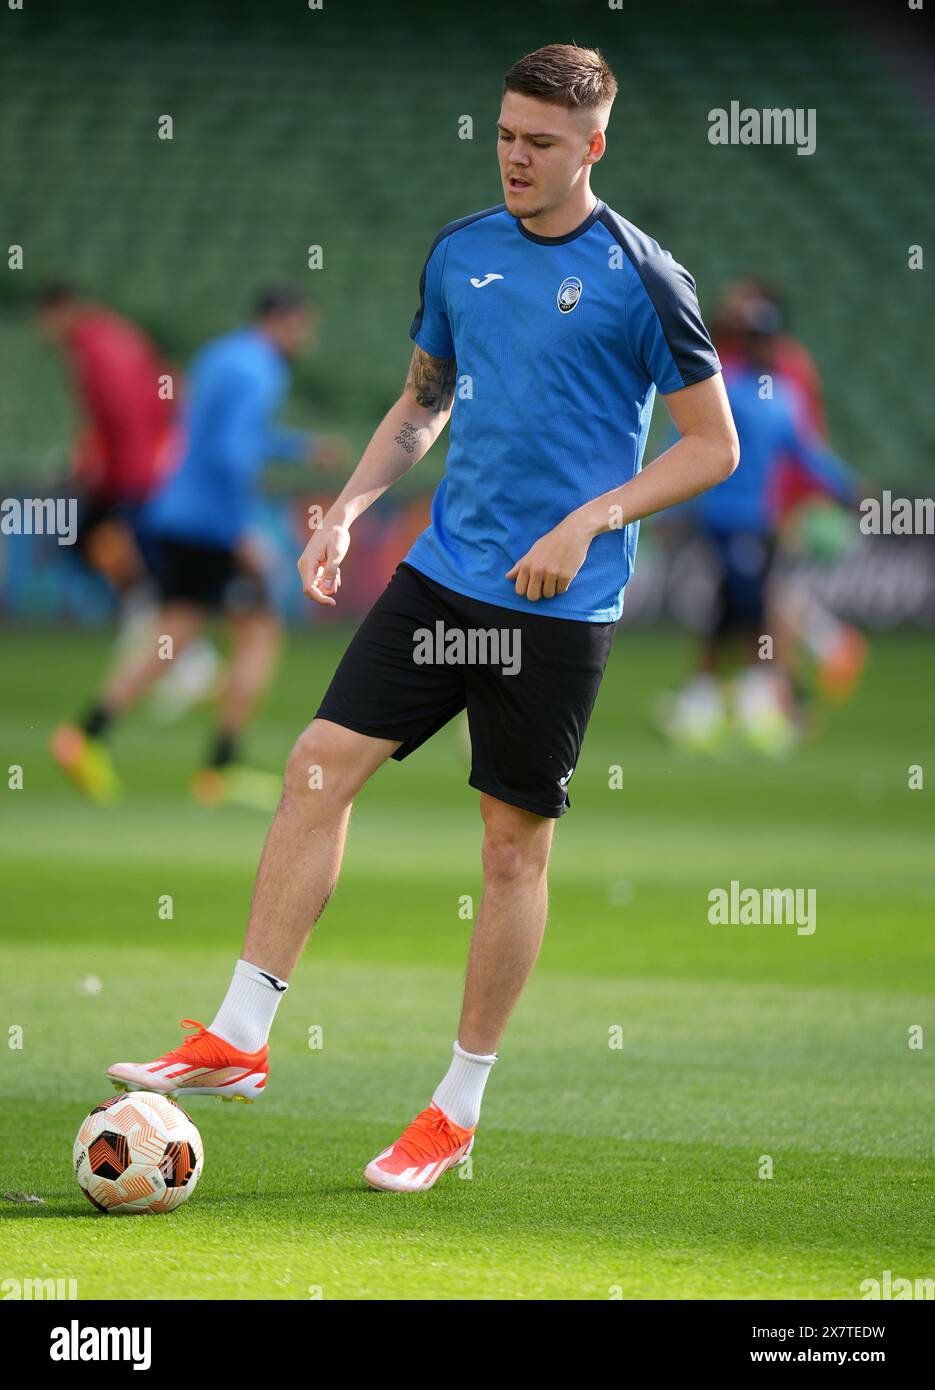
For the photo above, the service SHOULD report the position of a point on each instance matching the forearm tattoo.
(408, 437)
(431, 380)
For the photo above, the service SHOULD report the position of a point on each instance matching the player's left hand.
(552, 563)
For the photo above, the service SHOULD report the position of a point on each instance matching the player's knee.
(509, 854)
(315, 773)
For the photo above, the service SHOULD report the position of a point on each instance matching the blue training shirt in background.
(236, 387)
(768, 431)
(561, 343)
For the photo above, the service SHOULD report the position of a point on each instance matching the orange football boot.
(840, 672)
(204, 1065)
(87, 763)
(429, 1147)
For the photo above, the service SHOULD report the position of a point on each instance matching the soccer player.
(203, 561)
(794, 613)
(545, 327)
(127, 445)
(127, 426)
(740, 520)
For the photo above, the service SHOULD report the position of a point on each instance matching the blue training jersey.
(237, 385)
(560, 344)
(768, 430)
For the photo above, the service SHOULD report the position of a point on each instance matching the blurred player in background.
(124, 390)
(198, 526)
(806, 520)
(740, 520)
(128, 442)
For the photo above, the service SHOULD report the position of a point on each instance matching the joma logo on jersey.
(569, 292)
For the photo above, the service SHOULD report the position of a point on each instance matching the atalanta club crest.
(569, 292)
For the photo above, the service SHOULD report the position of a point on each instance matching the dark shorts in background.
(96, 511)
(744, 560)
(207, 576)
(526, 728)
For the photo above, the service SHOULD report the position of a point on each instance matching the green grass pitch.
(599, 1171)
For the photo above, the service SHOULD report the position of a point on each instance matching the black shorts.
(95, 511)
(744, 560)
(207, 576)
(424, 653)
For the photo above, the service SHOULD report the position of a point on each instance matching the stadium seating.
(295, 128)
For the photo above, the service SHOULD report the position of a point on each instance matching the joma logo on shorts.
(468, 646)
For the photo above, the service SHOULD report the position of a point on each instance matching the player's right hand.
(320, 562)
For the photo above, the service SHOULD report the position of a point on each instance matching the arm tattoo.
(408, 437)
(431, 380)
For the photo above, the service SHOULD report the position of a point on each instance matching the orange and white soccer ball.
(138, 1153)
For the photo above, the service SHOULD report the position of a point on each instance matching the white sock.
(461, 1091)
(246, 1015)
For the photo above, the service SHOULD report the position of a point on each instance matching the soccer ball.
(138, 1153)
